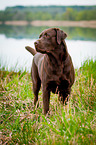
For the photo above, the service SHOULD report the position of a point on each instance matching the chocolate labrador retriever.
(52, 66)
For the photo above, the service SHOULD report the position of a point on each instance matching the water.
(13, 54)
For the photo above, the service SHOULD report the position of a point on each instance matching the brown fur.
(52, 66)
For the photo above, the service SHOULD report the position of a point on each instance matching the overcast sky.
(5, 3)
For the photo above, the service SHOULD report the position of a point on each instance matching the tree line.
(28, 15)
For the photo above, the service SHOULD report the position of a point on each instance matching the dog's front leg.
(46, 100)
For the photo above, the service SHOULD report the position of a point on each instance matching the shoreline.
(53, 23)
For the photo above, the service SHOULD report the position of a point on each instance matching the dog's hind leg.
(36, 82)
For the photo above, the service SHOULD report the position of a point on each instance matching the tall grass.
(22, 123)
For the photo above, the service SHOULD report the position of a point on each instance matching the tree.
(70, 14)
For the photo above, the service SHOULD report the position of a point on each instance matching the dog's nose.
(36, 43)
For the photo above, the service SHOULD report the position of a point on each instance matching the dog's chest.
(60, 72)
(60, 82)
(57, 76)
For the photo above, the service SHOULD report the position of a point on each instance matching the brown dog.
(52, 66)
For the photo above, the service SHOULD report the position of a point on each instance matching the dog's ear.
(60, 36)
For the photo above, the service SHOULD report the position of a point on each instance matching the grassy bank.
(74, 123)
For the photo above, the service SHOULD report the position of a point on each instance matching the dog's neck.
(58, 55)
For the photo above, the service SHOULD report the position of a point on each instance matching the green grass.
(22, 123)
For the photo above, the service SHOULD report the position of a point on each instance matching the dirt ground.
(90, 24)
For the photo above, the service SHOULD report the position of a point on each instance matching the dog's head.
(49, 39)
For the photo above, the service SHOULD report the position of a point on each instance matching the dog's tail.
(31, 50)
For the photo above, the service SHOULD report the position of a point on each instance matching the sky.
(8, 3)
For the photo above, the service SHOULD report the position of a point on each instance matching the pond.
(81, 43)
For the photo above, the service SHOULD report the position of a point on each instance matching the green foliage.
(86, 15)
(70, 14)
(73, 13)
(88, 69)
(22, 123)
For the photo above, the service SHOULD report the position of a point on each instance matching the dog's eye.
(40, 36)
(46, 35)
